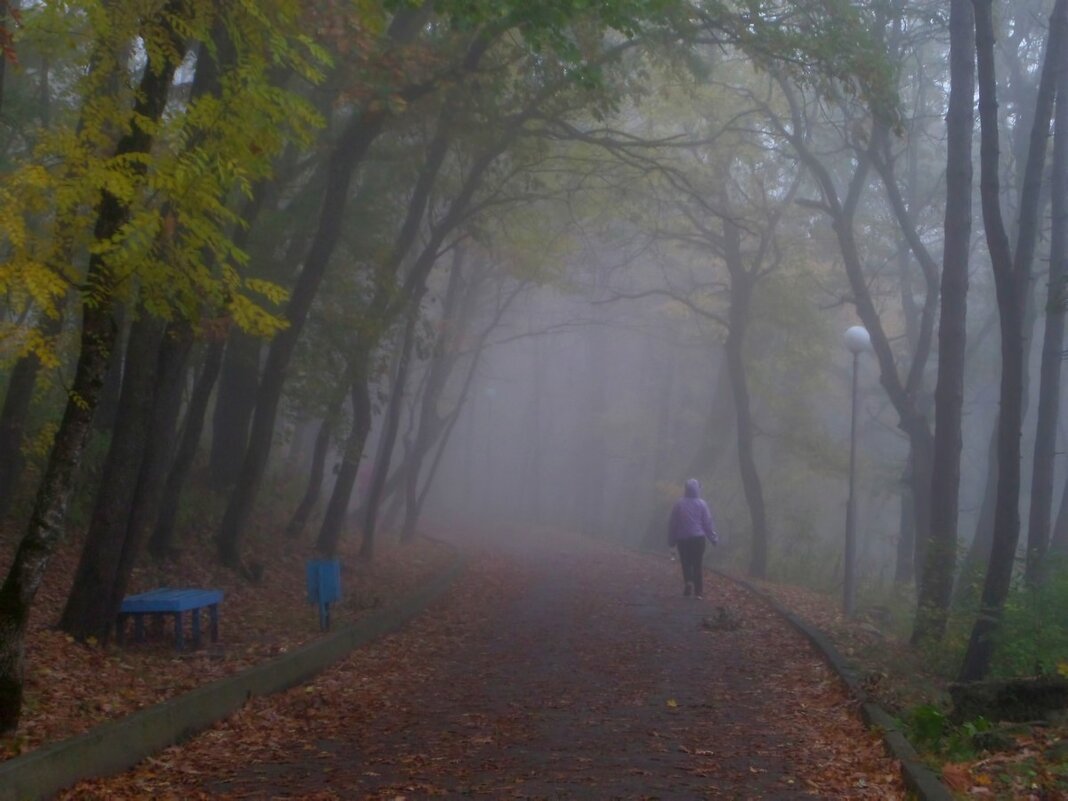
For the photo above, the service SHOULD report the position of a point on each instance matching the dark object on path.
(1003, 738)
(722, 620)
(1010, 699)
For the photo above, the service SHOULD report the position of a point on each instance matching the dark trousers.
(691, 555)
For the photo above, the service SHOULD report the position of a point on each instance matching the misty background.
(338, 274)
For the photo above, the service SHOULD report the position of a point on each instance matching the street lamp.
(857, 341)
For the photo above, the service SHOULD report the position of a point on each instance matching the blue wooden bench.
(166, 601)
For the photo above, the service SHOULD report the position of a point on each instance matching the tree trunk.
(1059, 540)
(902, 394)
(455, 311)
(296, 457)
(1049, 398)
(245, 354)
(162, 541)
(1011, 277)
(394, 494)
(15, 412)
(978, 554)
(97, 341)
(23, 379)
(435, 430)
(334, 517)
(904, 565)
(714, 446)
(107, 406)
(936, 590)
(389, 428)
(156, 459)
(234, 405)
(240, 367)
(412, 514)
(590, 482)
(352, 146)
(88, 611)
(921, 448)
(315, 480)
(415, 284)
(411, 501)
(46, 524)
(411, 293)
(741, 295)
(535, 458)
(142, 443)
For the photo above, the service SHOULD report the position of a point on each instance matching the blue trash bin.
(324, 587)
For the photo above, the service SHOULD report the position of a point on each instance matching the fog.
(376, 270)
(589, 407)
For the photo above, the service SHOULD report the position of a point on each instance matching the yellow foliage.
(273, 292)
(30, 340)
(253, 319)
(40, 445)
(175, 249)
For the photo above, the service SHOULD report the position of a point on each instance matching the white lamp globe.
(857, 339)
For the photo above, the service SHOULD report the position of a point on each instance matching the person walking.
(689, 527)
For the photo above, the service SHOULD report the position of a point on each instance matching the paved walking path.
(562, 671)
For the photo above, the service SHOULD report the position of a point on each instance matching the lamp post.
(857, 341)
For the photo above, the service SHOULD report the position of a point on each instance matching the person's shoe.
(687, 590)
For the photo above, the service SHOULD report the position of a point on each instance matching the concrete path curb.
(923, 782)
(115, 746)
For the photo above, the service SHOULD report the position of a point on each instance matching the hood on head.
(693, 489)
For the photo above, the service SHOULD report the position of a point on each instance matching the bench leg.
(139, 628)
(196, 627)
(179, 635)
(213, 613)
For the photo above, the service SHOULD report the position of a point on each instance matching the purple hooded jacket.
(690, 517)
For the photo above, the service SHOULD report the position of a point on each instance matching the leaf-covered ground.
(72, 687)
(1017, 762)
(565, 670)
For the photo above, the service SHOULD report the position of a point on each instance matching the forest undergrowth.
(72, 687)
(977, 758)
